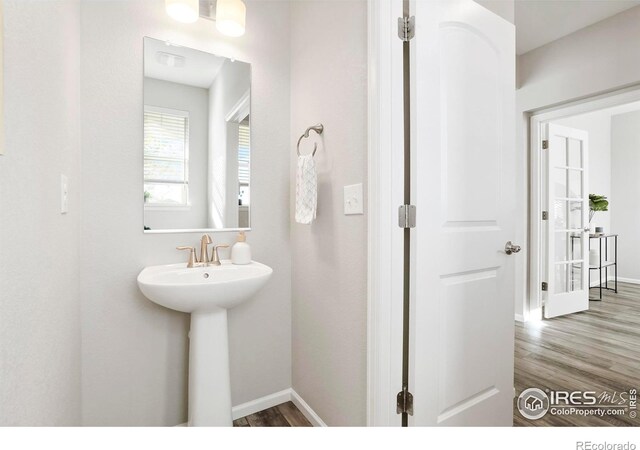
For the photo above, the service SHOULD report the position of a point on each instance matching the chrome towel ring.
(318, 129)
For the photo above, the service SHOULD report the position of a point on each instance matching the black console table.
(604, 263)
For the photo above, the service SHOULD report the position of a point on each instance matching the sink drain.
(206, 275)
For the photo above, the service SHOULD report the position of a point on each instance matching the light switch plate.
(64, 194)
(353, 199)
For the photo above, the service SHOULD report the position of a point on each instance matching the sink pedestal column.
(209, 381)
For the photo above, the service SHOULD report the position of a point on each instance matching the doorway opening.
(584, 273)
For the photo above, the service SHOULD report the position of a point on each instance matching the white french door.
(462, 333)
(567, 254)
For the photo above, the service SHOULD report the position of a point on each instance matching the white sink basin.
(176, 287)
(206, 293)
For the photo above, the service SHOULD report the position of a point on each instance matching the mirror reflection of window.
(166, 157)
(244, 165)
(244, 162)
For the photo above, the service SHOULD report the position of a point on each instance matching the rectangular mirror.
(197, 140)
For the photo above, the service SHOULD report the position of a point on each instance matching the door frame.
(537, 119)
(385, 195)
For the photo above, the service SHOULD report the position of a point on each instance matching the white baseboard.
(275, 399)
(306, 410)
(269, 401)
(260, 404)
(629, 280)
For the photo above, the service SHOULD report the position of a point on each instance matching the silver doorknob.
(510, 248)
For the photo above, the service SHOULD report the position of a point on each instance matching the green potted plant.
(597, 203)
(147, 196)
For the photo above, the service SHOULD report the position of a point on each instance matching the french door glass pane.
(559, 157)
(574, 153)
(568, 246)
(568, 183)
(568, 278)
(575, 277)
(561, 278)
(568, 215)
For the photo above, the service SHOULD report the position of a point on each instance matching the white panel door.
(566, 228)
(464, 190)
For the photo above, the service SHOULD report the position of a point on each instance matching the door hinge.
(545, 215)
(545, 286)
(404, 402)
(407, 216)
(406, 28)
(545, 144)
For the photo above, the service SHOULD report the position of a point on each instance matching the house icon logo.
(533, 403)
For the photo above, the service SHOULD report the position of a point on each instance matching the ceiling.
(199, 69)
(539, 22)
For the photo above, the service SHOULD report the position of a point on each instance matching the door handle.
(510, 248)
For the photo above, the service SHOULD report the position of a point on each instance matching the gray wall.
(329, 85)
(625, 191)
(134, 354)
(196, 101)
(39, 253)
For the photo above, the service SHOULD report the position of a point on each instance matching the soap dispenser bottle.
(241, 251)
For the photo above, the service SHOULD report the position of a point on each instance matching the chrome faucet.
(204, 252)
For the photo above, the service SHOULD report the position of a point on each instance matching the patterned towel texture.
(306, 190)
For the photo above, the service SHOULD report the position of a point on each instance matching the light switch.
(64, 194)
(353, 201)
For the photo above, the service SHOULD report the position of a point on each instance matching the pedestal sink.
(206, 293)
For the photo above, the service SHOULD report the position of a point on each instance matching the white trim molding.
(627, 280)
(306, 410)
(260, 404)
(271, 400)
(275, 399)
(385, 172)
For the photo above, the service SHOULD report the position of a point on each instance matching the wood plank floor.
(284, 415)
(595, 350)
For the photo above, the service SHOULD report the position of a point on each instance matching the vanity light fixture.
(185, 11)
(229, 15)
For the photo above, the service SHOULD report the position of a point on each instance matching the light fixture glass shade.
(230, 17)
(186, 11)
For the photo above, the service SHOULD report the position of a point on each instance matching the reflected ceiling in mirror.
(197, 140)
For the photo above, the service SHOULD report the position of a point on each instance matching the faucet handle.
(192, 256)
(215, 258)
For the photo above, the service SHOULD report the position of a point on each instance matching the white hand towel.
(306, 190)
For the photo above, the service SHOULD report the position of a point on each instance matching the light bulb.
(230, 17)
(186, 11)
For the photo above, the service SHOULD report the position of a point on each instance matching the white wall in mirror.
(196, 140)
(1, 80)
